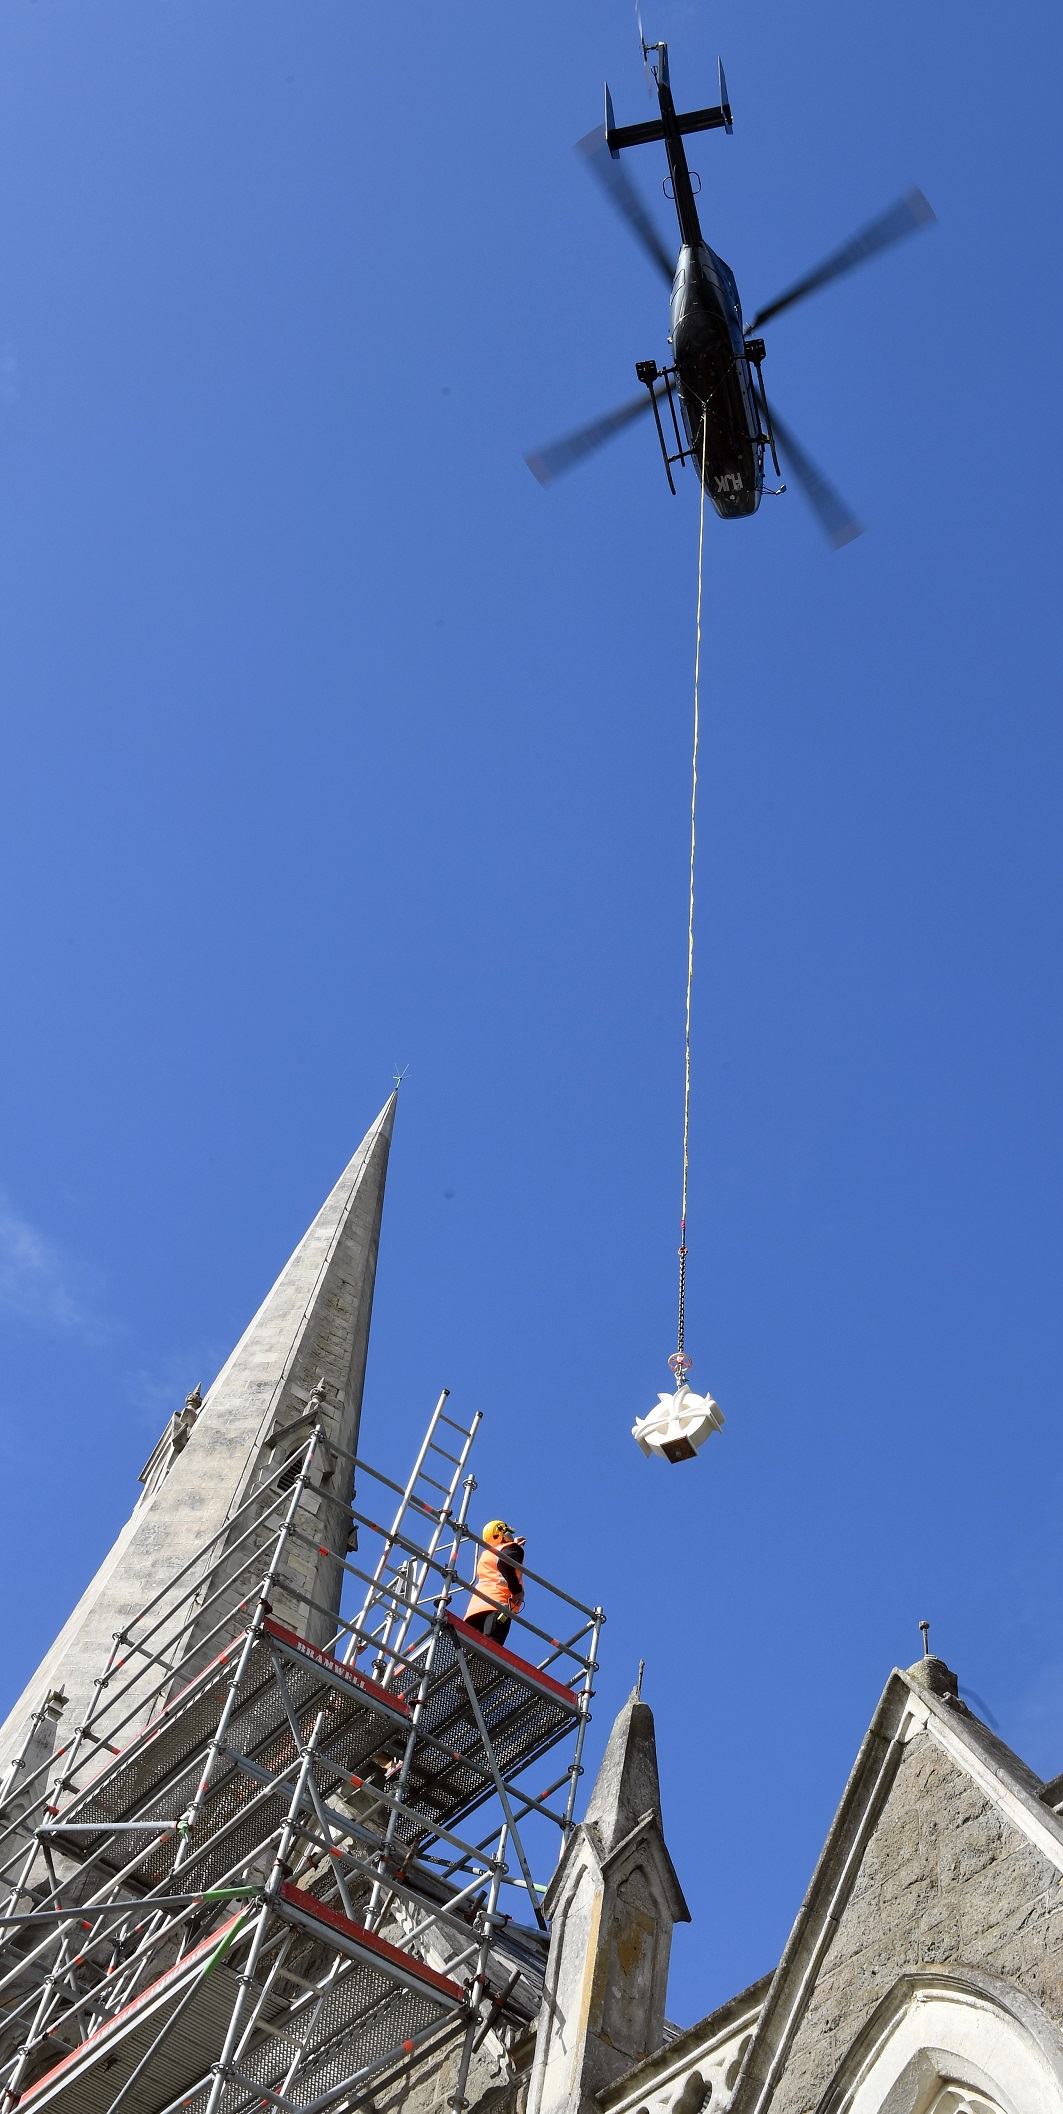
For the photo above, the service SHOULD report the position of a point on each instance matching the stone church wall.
(947, 1880)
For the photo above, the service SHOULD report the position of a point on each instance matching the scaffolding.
(249, 1880)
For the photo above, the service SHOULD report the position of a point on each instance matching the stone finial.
(185, 1418)
(627, 1786)
(933, 1674)
(612, 1904)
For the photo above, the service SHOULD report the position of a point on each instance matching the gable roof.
(921, 1700)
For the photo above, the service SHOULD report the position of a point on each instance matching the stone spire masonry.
(612, 1904)
(301, 1360)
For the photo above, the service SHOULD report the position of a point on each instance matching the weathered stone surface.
(695, 2070)
(314, 1322)
(497, 2082)
(933, 1674)
(946, 1878)
(612, 1902)
(627, 1785)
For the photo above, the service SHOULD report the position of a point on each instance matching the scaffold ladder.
(399, 1578)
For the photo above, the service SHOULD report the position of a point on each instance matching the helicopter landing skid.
(650, 374)
(755, 350)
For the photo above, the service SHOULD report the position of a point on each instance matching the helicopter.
(724, 425)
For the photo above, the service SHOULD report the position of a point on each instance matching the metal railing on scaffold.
(255, 1886)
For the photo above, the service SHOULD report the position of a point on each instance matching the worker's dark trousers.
(492, 1623)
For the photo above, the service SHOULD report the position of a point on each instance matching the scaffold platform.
(257, 1887)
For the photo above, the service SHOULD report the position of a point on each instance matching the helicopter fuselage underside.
(715, 393)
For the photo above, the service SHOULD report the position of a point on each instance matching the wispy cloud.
(38, 1283)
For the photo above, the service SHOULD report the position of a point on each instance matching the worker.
(499, 1591)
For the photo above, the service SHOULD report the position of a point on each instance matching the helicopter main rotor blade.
(911, 212)
(623, 195)
(548, 463)
(838, 522)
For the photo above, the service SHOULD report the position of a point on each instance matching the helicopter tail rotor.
(645, 50)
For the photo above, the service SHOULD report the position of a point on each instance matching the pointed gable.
(943, 1861)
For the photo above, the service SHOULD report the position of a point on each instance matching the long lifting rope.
(680, 1363)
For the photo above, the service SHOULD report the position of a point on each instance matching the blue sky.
(333, 745)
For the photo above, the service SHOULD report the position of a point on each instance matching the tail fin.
(610, 123)
(724, 104)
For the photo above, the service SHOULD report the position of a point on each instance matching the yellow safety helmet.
(496, 1530)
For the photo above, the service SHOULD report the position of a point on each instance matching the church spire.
(301, 1359)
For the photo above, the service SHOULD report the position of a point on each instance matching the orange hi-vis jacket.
(493, 1590)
